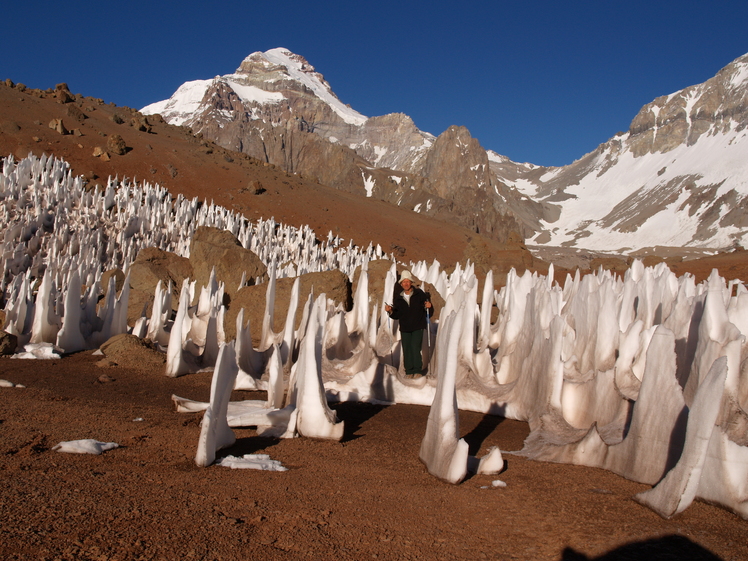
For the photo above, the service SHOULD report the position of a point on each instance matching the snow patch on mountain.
(183, 104)
(305, 74)
(668, 199)
(253, 94)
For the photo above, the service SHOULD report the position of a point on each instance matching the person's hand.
(387, 308)
(427, 304)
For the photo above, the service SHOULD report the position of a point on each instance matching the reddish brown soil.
(366, 497)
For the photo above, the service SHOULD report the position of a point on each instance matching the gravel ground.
(366, 497)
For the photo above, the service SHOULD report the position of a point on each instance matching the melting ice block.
(442, 450)
(85, 446)
(215, 433)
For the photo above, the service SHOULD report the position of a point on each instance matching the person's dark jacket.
(412, 316)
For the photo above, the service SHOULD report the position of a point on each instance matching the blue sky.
(537, 81)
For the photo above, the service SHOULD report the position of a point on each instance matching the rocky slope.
(676, 178)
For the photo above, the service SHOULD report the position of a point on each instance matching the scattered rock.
(139, 122)
(397, 250)
(76, 112)
(255, 187)
(57, 125)
(116, 145)
(129, 351)
(62, 94)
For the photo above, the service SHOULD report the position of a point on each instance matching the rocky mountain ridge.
(277, 108)
(692, 144)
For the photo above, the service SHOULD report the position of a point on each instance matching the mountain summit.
(678, 177)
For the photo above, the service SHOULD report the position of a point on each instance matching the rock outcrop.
(212, 248)
(151, 266)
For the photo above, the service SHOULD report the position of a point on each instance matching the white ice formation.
(252, 461)
(645, 375)
(85, 446)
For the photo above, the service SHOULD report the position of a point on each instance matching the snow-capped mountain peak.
(677, 177)
(298, 68)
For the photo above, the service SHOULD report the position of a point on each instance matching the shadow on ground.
(666, 548)
(355, 414)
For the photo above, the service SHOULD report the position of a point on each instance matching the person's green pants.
(412, 351)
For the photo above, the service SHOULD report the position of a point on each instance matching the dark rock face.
(8, 343)
(714, 106)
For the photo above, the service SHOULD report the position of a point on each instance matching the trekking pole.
(389, 336)
(428, 327)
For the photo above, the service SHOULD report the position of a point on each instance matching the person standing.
(410, 308)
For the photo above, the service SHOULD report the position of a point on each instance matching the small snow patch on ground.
(85, 446)
(252, 461)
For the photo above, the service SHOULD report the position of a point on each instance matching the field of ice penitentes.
(644, 375)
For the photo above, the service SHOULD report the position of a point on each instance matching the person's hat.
(406, 275)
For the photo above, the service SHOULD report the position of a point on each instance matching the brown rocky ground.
(366, 497)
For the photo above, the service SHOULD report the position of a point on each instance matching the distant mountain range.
(677, 178)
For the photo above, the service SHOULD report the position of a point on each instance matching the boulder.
(377, 274)
(8, 343)
(219, 249)
(334, 284)
(119, 279)
(116, 145)
(76, 112)
(57, 125)
(130, 351)
(150, 266)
